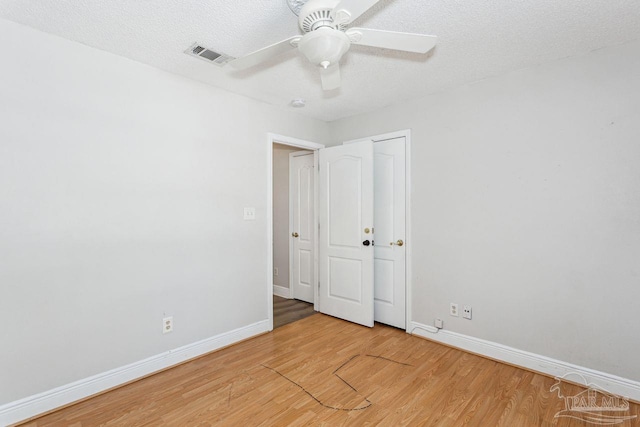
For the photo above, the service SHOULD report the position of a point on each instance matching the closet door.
(389, 220)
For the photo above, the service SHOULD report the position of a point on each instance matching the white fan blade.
(266, 53)
(330, 77)
(348, 11)
(409, 42)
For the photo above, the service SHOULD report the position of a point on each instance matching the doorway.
(292, 232)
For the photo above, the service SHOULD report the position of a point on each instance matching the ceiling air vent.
(208, 55)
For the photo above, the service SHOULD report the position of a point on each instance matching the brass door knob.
(398, 243)
(294, 234)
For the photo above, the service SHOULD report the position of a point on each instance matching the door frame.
(273, 138)
(408, 236)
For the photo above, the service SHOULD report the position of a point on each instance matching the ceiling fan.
(327, 37)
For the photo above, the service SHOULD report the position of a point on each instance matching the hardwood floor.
(286, 311)
(324, 371)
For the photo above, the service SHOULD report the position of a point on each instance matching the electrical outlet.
(275, 271)
(438, 323)
(453, 309)
(466, 312)
(167, 325)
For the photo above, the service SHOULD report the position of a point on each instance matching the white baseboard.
(535, 362)
(31, 406)
(281, 291)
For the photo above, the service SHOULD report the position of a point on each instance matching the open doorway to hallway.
(293, 294)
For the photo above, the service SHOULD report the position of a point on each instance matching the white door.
(346, 232)
(301, 204)
(389, 221)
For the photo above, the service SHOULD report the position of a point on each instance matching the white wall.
(281, 213)
(122, 190)
(526, 206)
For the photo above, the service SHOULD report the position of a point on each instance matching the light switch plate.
(249, 214)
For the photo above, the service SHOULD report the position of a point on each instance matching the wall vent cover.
(208, 55)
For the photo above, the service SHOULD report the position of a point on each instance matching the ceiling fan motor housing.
(324, 47)
(317, 14)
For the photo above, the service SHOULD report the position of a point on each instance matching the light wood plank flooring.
(324, 371)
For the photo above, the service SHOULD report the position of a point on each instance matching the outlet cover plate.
(453, 309)
(167, 325)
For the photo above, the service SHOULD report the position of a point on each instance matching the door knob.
(294, 234)
(366, 243)
(398, 243)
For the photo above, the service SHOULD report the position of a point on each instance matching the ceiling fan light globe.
(324, 45)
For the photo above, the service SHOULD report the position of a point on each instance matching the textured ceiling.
(477, 39)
